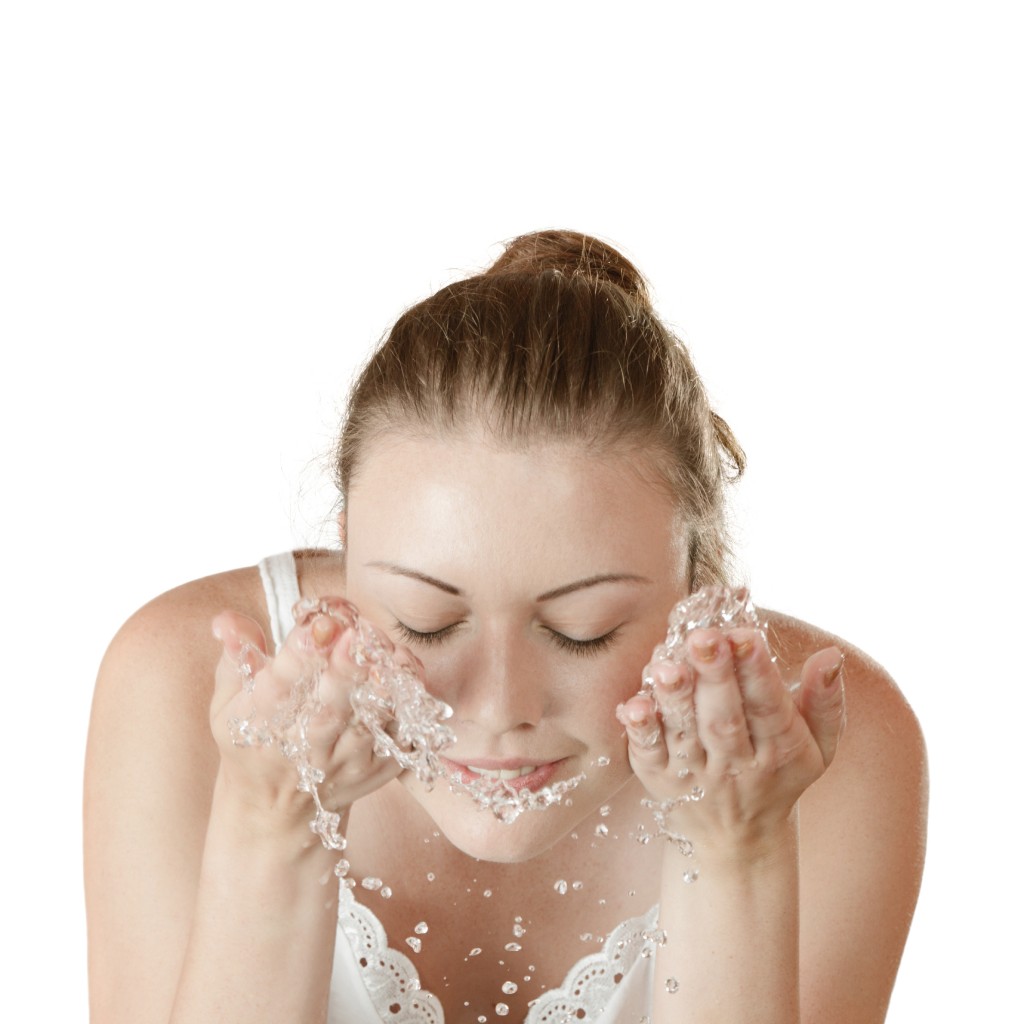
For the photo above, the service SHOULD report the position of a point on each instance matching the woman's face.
(533, 585)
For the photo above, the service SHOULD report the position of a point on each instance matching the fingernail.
(706, 650)
(323, 630)
(831, 675)
(636, 716)
(743, 648)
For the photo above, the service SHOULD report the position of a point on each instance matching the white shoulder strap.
(281, 589)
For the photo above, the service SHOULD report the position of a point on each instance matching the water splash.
(506, 803)
(711, 607)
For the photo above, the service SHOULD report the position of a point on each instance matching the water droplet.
(487, 894)
(513, 947)
(683, 772)
(509, 988)
(475, 951)
(526, 977)
(518, 931)
(414, 944)
(481, 1019)
(603, 761)
(671, 985)
(501, 1010)
(577, 886)
(385, 892)
(531, 969)
(690, 876)
(587, 937)
(422, 928)
(431, 876)
(605, 811)
(341, 868)
(646, 952)
(601, 830)
(561, 887)
(372, 884)
(697, 793)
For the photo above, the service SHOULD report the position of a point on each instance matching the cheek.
(598, 692)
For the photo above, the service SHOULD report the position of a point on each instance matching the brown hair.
(557, 339)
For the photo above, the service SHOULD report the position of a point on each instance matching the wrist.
(746, 845)
(270, 828)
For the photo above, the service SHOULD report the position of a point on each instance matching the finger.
(647, 750)
(766, 700)
(721, 720)
(244, 653)
(674, 690)
(822, 699)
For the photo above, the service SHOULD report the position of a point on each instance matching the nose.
(501, 685)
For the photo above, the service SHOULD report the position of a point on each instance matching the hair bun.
(574, 254)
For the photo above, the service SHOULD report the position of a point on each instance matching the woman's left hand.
(724, 745)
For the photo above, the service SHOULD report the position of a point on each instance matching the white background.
(211, 210)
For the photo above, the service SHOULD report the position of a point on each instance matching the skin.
(203, 879)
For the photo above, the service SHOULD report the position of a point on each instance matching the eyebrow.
(593, 581)
(550, 595)
(399, 570)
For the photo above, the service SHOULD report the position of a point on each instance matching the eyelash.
(412, 636)
(566, 643)
(584, 648)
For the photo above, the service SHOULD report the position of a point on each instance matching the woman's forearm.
(261, 944)
(731, 953)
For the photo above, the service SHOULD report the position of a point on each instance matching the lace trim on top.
(393, 982)
(389, 976)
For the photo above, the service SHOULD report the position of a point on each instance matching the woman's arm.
(790, 920)
(201, 871)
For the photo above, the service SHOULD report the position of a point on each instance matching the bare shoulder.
(882, 748)
(875, 705)
(862, 834)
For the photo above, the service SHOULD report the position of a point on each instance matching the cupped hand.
(255, 698)
(723, 745)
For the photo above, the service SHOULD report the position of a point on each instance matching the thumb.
(822, 699)
(244, 653)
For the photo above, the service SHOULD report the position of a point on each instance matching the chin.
(478, 832)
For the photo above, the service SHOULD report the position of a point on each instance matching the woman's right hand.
(253, 686)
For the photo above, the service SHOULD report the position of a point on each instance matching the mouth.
(512, 774)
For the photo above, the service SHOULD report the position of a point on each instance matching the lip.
(540, 777)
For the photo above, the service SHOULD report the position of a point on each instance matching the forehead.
(466, 502)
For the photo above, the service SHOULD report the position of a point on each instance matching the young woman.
(532, 478)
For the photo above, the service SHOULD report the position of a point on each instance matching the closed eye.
(414, 636)
(584, 647)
